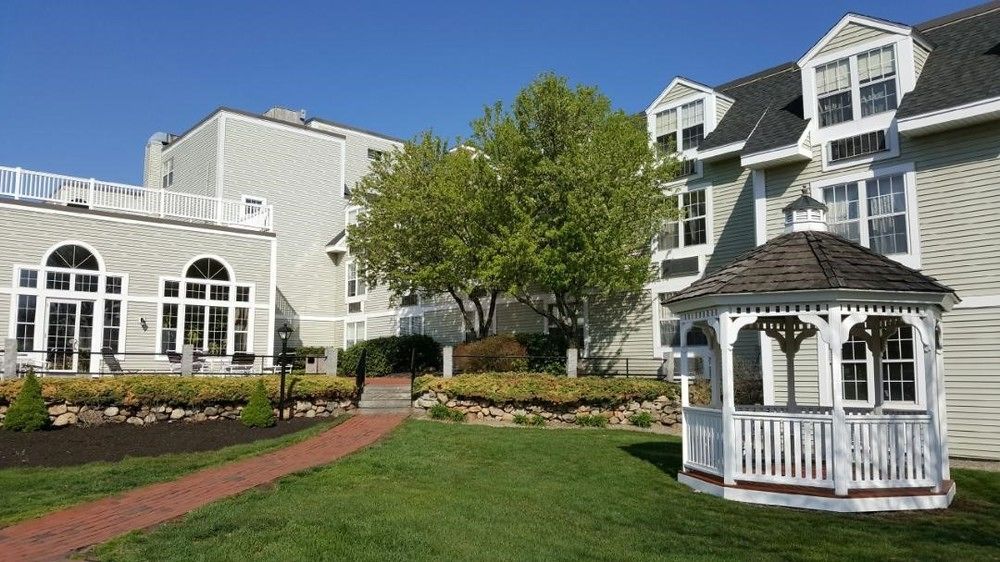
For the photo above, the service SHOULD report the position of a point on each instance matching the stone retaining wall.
(63, 413)
(666, 412)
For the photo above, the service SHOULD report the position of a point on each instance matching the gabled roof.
(681, 81)
(858, 19)
(811, 261)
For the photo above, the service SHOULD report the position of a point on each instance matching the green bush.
(546, 352)
(495, 353)
(641, 419)
(533, 419)
(392, 354)
(258, 411)
(28, 412)
(442, 412)
(588, 420)
(542, 389)
(176, 391)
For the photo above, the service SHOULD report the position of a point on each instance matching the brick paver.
(58, 535)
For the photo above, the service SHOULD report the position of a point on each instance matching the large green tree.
(430, 227)
(583, 198)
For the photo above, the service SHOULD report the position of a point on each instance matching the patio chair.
(114, 366)
(242, 363)
(176, 359)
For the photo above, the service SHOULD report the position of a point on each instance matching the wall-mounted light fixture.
(142, 322)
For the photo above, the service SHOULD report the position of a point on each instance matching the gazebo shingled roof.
(810, 261)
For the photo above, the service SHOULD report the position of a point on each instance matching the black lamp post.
(283, 333)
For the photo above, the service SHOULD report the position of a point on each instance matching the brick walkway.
(60, 534)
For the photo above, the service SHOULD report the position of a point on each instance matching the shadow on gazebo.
(664, 456)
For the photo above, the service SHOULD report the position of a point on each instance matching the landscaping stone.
(90, 417)
(134, 421)
(57, 410)
(64, 419)
(176, 414)
(111, 411)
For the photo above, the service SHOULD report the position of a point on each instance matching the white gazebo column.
(841, 460)
(728, 401)
(685, 396)
(934, 396)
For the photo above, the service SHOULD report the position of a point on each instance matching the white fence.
(26, 185)
(784, 448)
(703, 439)
(890, 450)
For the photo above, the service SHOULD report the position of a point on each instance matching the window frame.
(183, 302)
(912, 257)
(700, 250)
(361, 287)
(167, 173)
(919, 395)
(363, 322)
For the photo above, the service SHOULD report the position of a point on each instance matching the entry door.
(70, 329)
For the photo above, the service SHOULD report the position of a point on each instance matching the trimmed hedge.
(541, 346)
(27, 412)
(491, 354)
(177, 391)
(536, 388)
(391, 354)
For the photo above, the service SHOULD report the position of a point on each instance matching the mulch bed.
(112, 442)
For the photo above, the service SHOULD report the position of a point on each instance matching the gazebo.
(876, 440)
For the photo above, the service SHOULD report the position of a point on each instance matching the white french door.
(69, 335)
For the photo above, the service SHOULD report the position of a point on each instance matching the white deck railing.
(796, 447)
(703, 439)
(27, 185)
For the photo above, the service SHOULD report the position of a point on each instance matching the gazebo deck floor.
(821, 492)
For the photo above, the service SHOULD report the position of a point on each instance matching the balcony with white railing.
(87, 193)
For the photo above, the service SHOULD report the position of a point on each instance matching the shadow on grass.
(664, 456)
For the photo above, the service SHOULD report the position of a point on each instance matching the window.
(692, 124)
(899, 380)
(679, 267)
(218, 292)
(25, 328)
(854, 368)
(172, 289)
(375, 155)
(887, 215)
(168, 173)
(877, 80)
(881, 223)
(666, 130)
(112, 323)
(195, 290)
(355, 308)
(355, 280)
(241, 330)
(858, 145)
(411, 325)
(352, 216)
(692, 228)
(86, 283)
(194, 326)
(242, 294)
(57, 280)
(72, 256)
(113, 285)
(218, 329)
(411, 299)
(353, 333)
(168, 328)
(833, 92)
(207, 268)
(28, 278)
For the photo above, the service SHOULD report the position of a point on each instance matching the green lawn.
(456, 492)
(29, 492)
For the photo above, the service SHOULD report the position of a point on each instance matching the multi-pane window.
(168, 327)
(887, 215)
(25, 328)
(112, 324)
(899, 381)
(692, 227)
(843, 208)
(218, 292)
(113, 285)
(353, 333)
(194, 326)
(858, 145)
(218, 329)
(355, 280)
(375, 155)
(27, 278)
(883, 214)
(411, 325)
(168, 174)
(171, 289)
(195, 291)
(409, 299)
(666, 130)
(57, 280)
(243, 294)
(86, 283)
(833, 92)
(692, 124)
(241, 329)
(877, 80)
(854, 368)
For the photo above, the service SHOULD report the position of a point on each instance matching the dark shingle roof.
(811, 261)
(964, 66)
(333, 241)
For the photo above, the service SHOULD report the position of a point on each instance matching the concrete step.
(364, 403)
(386, 395)
(376, 411)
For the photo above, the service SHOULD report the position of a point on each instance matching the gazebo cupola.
(805, 213)
(859, 423)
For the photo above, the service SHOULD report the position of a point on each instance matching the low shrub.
(495, 353)
(176, 391)
(392, 354)
(28, 411)
(641, 419)
(588, 420)
(546, 352)
(525, 419)
(442, 412)
(542, 389)
(258, 411)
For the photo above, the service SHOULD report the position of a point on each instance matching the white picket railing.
(27, 185)
(784, 448)
(703, 439)
(890, 450)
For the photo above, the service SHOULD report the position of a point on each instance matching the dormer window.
(666, 130)
(692, 124)
(869, 77)
(833, 91)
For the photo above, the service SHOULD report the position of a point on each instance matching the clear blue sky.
(84, 84)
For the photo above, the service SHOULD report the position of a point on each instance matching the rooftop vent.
(286, 115)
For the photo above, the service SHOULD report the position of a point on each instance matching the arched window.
(207, 268)
(72, 256)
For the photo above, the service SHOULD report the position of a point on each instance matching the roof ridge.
(959, 16)
(824, 261)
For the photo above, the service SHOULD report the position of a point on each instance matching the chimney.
(805, 213)
(286, 115)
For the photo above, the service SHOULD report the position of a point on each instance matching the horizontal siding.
(315, 333)
(679, 91)
(516, 318)
(972, 381)
(381, 327)
(806, 374)
(621, 326)
(852, 34)
(444, 325)
(733, 210)
(5, 309)
(920, 55)
(721, 107)
(195, 160)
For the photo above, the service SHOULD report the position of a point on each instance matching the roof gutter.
(966, 115)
